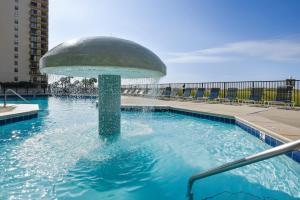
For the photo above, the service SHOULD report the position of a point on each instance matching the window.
(16, 78)
(16, 49)
(16, 70)
(16, 35)
(33, 19)
(16, 8)
(34, 12)
(33, 45)
(33, 31)
(34, 65)
(16, 21)
(16, 55)
(34, 39)
(34, 4)
(32, 25)
(16, 62)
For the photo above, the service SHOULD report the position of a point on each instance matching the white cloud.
(271, 50)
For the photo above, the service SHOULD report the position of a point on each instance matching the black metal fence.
(270, 88)
(24, 88)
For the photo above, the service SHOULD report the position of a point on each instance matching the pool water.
(60, 155)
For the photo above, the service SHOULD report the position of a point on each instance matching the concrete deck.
(283, 124)
(19, 110)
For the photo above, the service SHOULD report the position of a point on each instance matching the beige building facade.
(23, 40)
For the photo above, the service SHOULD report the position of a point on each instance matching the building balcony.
(36, 40)
(44, 35)
(36, 7)
(35, 13)
(44, 50)
(35, 53)
(34, 73)
(34, 65)
(44, 22)
(35, 25)
(37, 33)
(44, 2)
(35, 47)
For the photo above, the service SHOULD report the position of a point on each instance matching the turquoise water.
(59, 155)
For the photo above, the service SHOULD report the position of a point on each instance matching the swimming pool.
(59, 155)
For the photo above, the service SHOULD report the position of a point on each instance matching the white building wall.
(8, 15)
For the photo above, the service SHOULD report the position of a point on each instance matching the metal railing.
(276, 151)
(15, 93)
(270, 88)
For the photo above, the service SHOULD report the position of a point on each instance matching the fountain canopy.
(90, 57)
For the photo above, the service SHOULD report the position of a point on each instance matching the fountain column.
(109, 104)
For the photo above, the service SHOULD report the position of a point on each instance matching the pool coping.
(21, 112)
(269, 137)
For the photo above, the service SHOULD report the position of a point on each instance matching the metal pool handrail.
(15, 93)
(276, 151)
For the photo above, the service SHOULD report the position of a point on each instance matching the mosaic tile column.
(109, 104)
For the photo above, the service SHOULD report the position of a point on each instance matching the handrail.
(276, 151)
(15, 93)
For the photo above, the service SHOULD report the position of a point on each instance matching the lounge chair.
(214, 94)
(231, 95)
(200, 95)
(132, 91)
(186, 94)
(256, 95)
(146, 91)
(141, 92)
(160, 92)
(166, 93)
(129, 91)
(283, 97)
(174, 93)
(125, 91)
(151, 92)
(135, 93)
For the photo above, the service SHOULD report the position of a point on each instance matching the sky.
(198, 40)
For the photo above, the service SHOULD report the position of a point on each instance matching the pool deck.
(19, 110)
(281, 123)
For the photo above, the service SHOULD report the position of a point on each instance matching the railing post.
(4, 104)
(224, 90)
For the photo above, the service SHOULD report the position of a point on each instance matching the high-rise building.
(23, 40)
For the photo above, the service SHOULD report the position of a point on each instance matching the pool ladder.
(276, 151)
(15, 93)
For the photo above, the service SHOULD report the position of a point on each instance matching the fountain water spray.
(108, 59)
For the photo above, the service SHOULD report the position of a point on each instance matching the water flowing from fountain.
(108, 59)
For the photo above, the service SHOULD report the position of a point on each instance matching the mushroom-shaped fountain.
(109, 59)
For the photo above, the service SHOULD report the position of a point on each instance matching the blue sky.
(199, 40)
